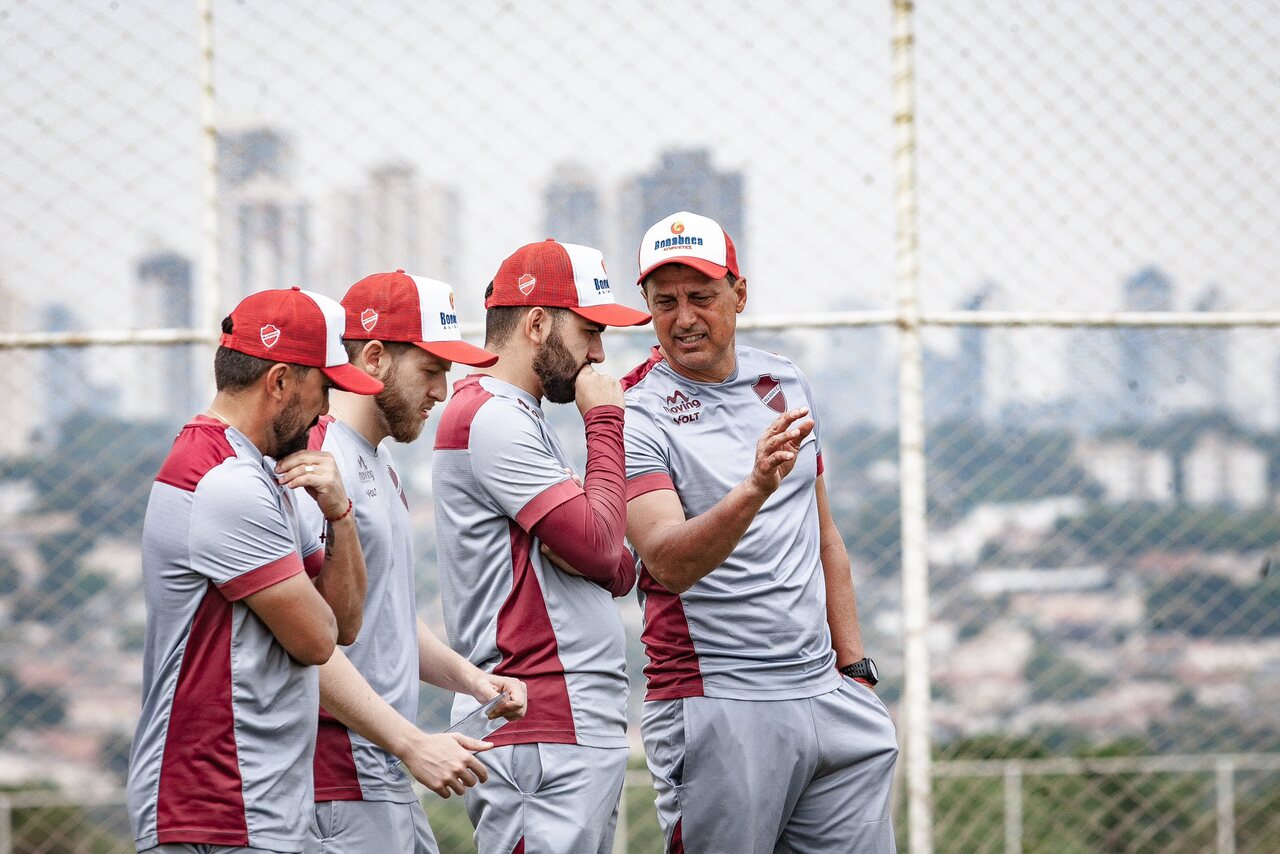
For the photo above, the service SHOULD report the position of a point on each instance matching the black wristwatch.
(864, 670)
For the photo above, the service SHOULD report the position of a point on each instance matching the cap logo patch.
(677, 227)
(769, 390)
(368, 319)
(451, 303)
(525, 283)
(270, 335)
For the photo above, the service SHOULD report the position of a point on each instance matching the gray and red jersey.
(756, 626)
(222, 753)
(349, 767)
(499, 473)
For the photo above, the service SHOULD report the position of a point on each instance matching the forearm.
(439, 665)
(842, 605)
(680, 554)
(587, 531)
(342, 580)
(346, 695)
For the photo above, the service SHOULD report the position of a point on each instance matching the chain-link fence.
(1095, 647)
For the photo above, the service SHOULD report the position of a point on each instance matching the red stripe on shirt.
(453, 433)
(315, 439)
(651, 482)
(314, 562)
(248, 583)
(201, 796)
(335, 765)
(201, 446)
(639, 371)
(546, 501)
(673, 670)
(530, 652)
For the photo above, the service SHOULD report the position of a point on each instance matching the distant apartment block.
(1224, 470)
(166, 376)
(264, 226)
(572, 207)
(1127, 471)
(394, 221)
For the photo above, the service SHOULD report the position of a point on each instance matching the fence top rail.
(1176, 764)
(775, 323)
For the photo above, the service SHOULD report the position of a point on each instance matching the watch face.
(871, 670)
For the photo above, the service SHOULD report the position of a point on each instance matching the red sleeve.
(587, 530)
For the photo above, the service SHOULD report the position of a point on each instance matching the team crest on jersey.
(368, 319)
(769, 390)
(525, 283)
(682, 408)
(270, 335)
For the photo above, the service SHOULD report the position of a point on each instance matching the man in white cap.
(242, 601)
(758, 736)
(506, 493)
(401, 330)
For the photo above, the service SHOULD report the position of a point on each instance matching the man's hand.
(596, 389)
(490, 685)
(777, 450)
(317, 473)
(557, 561)
(445, 762)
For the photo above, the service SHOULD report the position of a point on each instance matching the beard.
(289, 432)
(556, 368)
(401, 419)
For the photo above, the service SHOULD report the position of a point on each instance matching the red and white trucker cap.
(561, 275)
(691, 239)
(400, 307)
(300, 328)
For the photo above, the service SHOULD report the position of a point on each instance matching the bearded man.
(531, 557)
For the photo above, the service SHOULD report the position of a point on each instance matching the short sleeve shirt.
(497, 470)
(755, 627)
(222, 753)
(348, 766)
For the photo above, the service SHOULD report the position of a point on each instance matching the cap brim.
(612, 314)
(459, 351)
(350, 378)
(702, 265)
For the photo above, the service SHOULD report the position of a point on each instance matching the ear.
(537, 324)
(375, 359)
(276, 380)
(740, 291)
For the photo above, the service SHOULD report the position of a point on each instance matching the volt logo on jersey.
(769, 390)
(682, 408)
(366, 473)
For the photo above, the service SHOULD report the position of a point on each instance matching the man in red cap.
(506, 497)
(242, 602)
(403, 331)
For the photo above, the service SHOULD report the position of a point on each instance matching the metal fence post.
(1013, 808)
(208, 310)
(1225, 789)
(6, 825)
(915, 572)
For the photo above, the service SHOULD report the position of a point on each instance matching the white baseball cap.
(691, 239)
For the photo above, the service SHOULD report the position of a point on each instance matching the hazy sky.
(1062, 145)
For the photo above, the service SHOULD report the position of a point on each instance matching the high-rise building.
(955, 384)
(572, 212)
(395, 221)
(684, 180)
(165, 374)
(65, 375)
(263, 221)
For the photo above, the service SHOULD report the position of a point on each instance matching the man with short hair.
(403, 331)
(758, 737)
(531, 558)
(241, 600)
